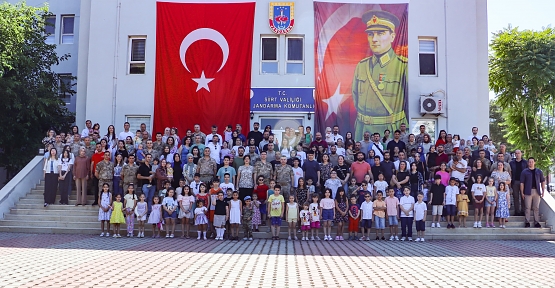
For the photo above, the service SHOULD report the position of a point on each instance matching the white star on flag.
(203, 82)
(334, 102)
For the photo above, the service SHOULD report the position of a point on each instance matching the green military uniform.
(129, 173)
(284, 177)
(89, 151)
(379, 83)
(263, 169)
(207, 169)
(246, 220)
(105, 170)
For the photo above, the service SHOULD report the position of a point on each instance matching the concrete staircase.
(29, 216)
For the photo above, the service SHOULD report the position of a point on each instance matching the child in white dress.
(235, 215)
(200, 219)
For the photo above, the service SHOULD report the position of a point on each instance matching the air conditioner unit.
(432, 105)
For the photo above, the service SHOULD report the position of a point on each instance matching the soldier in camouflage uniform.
(105, 171)
(263, 168)
(247, 219)
(89, 148)
(207, 167)
(158, 145)
(284, 177)
(76, 145)
(129, 173)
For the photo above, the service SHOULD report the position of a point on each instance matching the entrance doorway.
(285, 127)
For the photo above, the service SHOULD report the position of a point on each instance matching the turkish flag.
(203, 65)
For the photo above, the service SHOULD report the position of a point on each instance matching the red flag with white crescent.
(203, 64)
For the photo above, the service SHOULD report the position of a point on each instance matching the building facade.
(114, 46)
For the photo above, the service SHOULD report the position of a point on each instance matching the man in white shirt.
(126, 132)
(215, 148)
(332, 138)
(402, 157)
(458, 166)
(210, 137)
(377, 146)
(88, 130)
(474, 134)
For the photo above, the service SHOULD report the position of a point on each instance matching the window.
(67, 29)
(50, 29)
(295, 55)
(269, 63)
(137, 55)
(427, 57)
(135, 122)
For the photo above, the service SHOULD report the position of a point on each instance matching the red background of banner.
(176, 102)
(345, 49)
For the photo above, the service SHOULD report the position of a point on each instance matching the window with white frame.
(269, 55)
(427, 51)
(295, 55)
(50, 29)
(135, 122)
(64, 88)
(68, 27)
(137, 55)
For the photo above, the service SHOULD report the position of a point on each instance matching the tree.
(29, 89)
(522, 74)
(497, 127)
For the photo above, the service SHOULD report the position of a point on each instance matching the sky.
(524, 14)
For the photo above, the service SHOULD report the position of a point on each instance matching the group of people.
(174, 174)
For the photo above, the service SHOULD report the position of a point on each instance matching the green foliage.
(521, 73)
(29, 90)
(497, 127)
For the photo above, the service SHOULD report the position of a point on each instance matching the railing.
(21, 184)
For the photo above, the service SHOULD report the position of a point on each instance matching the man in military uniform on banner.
(379, 85)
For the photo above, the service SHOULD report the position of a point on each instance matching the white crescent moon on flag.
(204, 34)
(335, 22)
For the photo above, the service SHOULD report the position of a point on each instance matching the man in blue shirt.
(311, 169)
(532, 187)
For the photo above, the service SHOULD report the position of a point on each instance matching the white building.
(107, 32)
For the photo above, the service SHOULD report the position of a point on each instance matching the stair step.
(51, 210)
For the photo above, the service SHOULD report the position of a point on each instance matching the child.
(228, 197)
(354, 218)
(406, 205)
(213, 192)
(327, 206)
(169, 171)
(353, 187)
(367, 212)
(185, 201)
(203, 196)
(227, 183)
(490, 202)
(308, 136)
(310, 186)
(503, 204)
(117, 215)
(315, 212)
(478, 190)
(228, 133)
(333, 183)
(162, 193)
(155, 165)
(269, 193)
(130, 202)
(261, 192)
(362, 192)
(247, 212)
(170, 214)
(105, 210)
(256, 218)
(341, 216)
(379, 208)
(369, 187)
(449, 202)
(437, 192)
(292, 212)
(456, 142)
(235, 215)
(221, 215)
(138, 138)
(380, 185)
(200, 219)
(275, 209)
(304, 215)
(391, 204)
(140, 153)
(140, 211)
(155, 216)
(420, 210)
(462, 206)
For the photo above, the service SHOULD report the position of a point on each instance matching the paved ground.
(31, 260)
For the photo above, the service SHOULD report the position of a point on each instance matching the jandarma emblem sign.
(282, 17)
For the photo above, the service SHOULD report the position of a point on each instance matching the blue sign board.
(282, 100)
